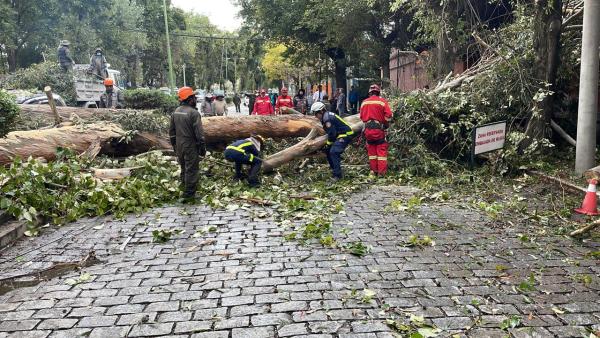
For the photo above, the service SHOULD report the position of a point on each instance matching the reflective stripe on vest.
(240, 148)
(349, 133)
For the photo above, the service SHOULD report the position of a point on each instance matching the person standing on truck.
(98, 64)
(111, 98)
(64, 56)
(187, 138)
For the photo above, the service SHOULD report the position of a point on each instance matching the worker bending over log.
(246, 151)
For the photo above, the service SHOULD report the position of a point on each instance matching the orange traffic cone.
(589, 205)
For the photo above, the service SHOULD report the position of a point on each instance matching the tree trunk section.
(309, 145)
(218, 131)
(43, 143)
(546, 40)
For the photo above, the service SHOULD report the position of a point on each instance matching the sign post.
(486, 138)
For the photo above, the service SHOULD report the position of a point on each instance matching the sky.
(222, 13)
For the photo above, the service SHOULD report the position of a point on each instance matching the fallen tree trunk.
(107, 136)
(310, 144)
(44, 143)
(217, 129)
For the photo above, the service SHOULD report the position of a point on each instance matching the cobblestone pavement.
(244, 280)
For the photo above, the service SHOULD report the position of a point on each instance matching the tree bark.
(338, 55)
(548, 24)
(43, 143)
(218, 131)
(309, 145)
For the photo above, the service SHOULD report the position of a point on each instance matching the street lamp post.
(170, 60)
(184, 82)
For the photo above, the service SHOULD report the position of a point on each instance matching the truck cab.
(90, 87)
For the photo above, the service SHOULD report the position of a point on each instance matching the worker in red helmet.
(111, 98)
(284, 101)
(187, 139)
(376, 114)
(262, 105)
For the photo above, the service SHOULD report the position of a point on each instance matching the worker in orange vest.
(283, 101)
(376, 114)
(262, 105)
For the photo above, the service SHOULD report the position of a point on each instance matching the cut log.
(43, 143)
(309, 145)
(218, 131)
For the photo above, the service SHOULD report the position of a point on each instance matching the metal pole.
(234, 73)
(588, 89)
(226, 61)
(171, 76)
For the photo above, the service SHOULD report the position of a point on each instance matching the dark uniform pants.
(239, 159)
(334, 155)
(189, 161)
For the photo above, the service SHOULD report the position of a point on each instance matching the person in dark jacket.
(98, 64)
(246, 151)
(237, 102)
(187, 138)
(301, 102)
(251, 101)
(339, 136)
(64, 56)
(111, 98)
(353, 100)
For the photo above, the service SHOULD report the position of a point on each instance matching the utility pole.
(588, 89)
(171, 76)
(226, 61)
(184, 82)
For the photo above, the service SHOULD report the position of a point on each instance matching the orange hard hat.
(109, 82)
(184, 93)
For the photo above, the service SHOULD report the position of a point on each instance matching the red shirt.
(284, 101)
(375, 108)
(263, 106)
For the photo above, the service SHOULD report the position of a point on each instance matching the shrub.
(150, 99)
(9, 113)
(41, 75)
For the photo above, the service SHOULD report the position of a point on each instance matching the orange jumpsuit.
(262, 106)
(376, 114)
(283, 101)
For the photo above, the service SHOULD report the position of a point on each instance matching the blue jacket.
(353, 96)
(246, 146)
(335, 127)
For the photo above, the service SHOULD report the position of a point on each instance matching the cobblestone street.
(241, 278)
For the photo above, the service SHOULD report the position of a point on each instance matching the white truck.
(90, 87)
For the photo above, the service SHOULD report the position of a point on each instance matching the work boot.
(188, 199)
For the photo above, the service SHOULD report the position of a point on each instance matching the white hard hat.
(317, 107)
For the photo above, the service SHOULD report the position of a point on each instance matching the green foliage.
(61, 191)
(9, 113)
(357, 248)
(164, 235)
(150, 99)
(41, 75)
(511, 322)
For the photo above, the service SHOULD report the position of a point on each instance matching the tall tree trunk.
(385, 69)
(548, 25)
(12, 59)
(338, 55)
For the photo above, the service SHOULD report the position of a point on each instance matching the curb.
(10, 230)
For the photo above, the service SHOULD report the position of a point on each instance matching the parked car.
(26, 97)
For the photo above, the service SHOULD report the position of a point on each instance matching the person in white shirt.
(319, 94)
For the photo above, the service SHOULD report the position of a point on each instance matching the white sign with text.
(489, 137)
